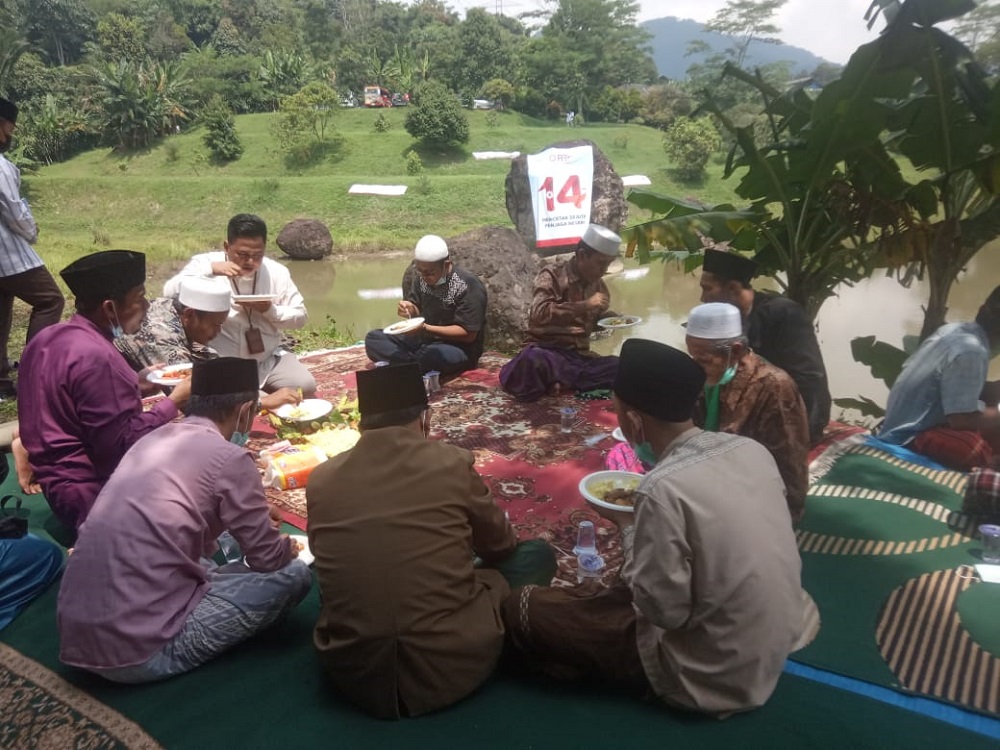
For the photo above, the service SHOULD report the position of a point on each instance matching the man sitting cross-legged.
(710, 603)
(941, 406)
(140, 600)
(409, 622)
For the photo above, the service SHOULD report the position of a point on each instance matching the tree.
(979, 30)
(58, 28)
(138, 103)
(305, 122)
(690, 143)
(283, 73)
(12, 46)
(747, 21)
(437, 118)
(220, 136)
(121, 38)
(500, 91)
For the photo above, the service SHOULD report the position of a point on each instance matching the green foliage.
(121, 38)
(414, 165)
(234, 79)
(305, 123)
(283, 73)
(616, 105)
(51, 132)
(500, 91)
(138, 102)
(690, 143)
(381, 123)
(885, 362)
(437, 117)
(492, 119)
(747, 21)
(325, 335)
(220, 136)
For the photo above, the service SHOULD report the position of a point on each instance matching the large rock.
(507, 267)
(305, 239)
(607, 206)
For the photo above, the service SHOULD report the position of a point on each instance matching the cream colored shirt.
(715, 574)
(287, 311)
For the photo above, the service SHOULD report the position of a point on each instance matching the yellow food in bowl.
(622, 491)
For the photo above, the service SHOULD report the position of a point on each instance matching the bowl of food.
(307, 410)
(171, 375)
(404, 326)
(619, 321)
(612, 490)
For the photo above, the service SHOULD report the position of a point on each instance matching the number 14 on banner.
(570, 192)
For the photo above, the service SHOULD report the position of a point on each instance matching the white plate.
(305, 554)
(254, 297)
(403, 326)
(619, 435)
(304, 411)
(619, 321)
(624, 479)
(160, 377)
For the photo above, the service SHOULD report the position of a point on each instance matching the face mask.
(728, 375)
(644, 452)
(116, 328)
(238, 437)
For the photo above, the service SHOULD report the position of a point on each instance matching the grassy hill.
(171, 201)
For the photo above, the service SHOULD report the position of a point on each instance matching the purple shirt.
(79, 410)
(136, 571)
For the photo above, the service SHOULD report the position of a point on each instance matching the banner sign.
(561, 180)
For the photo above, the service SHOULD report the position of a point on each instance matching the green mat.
(270, 693)
(887, 557)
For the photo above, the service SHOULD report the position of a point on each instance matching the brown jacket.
(407, 624)
(763, 403)
(559, 316)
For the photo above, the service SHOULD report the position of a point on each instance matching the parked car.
(400, 100)
(376, 96)
(482, 104)
(348, 100)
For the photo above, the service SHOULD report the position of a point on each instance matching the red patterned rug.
(532, 467)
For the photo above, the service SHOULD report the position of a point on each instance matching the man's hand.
(145, 387)
(619, 518)
(181, 393)
(256, 306)
(22, 466)
(406, 309)
(275, 517)
(281, 397)
(226, 268)
(598, 301)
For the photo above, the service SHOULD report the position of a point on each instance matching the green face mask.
(644, 452)
(712, 399)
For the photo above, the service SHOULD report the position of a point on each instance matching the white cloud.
(832, 29)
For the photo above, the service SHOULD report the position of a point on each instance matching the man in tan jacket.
(710, 603)
(409, 623)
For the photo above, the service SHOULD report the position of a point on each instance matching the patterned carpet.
(531, 466)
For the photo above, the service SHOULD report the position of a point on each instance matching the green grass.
(171, 201)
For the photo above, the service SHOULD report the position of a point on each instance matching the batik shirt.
(460, 301)
(559, 313)
(762, 403)
(161, 339)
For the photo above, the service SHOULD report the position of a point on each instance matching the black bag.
(12, 524)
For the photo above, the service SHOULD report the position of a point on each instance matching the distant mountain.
(671, 36)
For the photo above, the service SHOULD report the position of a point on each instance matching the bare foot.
(25, 474)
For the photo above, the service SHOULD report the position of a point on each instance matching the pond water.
(663, 297)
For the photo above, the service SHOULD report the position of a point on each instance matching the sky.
(832, 29)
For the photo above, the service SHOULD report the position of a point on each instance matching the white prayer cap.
(203, 294)
(430, 249)
(601, 239)
(715, 320)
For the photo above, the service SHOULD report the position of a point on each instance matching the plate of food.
(170, 375)
(307, 410)
(404, 326)
(614, 490)
(619, 321)
(254, 297)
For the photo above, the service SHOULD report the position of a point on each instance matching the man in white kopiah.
(452, 304)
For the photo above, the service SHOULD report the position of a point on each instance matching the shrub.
(621, 142)
(492, 120)
(220, 136)
(381, 123)
(690, 143)
(413, 164)
(437, 117)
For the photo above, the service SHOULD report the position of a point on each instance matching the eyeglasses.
(246, 257)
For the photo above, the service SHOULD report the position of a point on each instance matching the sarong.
(537, 369)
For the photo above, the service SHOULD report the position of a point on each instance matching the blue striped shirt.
(17, 226)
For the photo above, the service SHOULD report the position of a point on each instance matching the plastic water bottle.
(589, 564)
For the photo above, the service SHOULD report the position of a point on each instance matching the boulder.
(305, 239)
(607, 206)
(507, 267)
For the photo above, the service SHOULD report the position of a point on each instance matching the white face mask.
(240, 437)
(116, 328)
